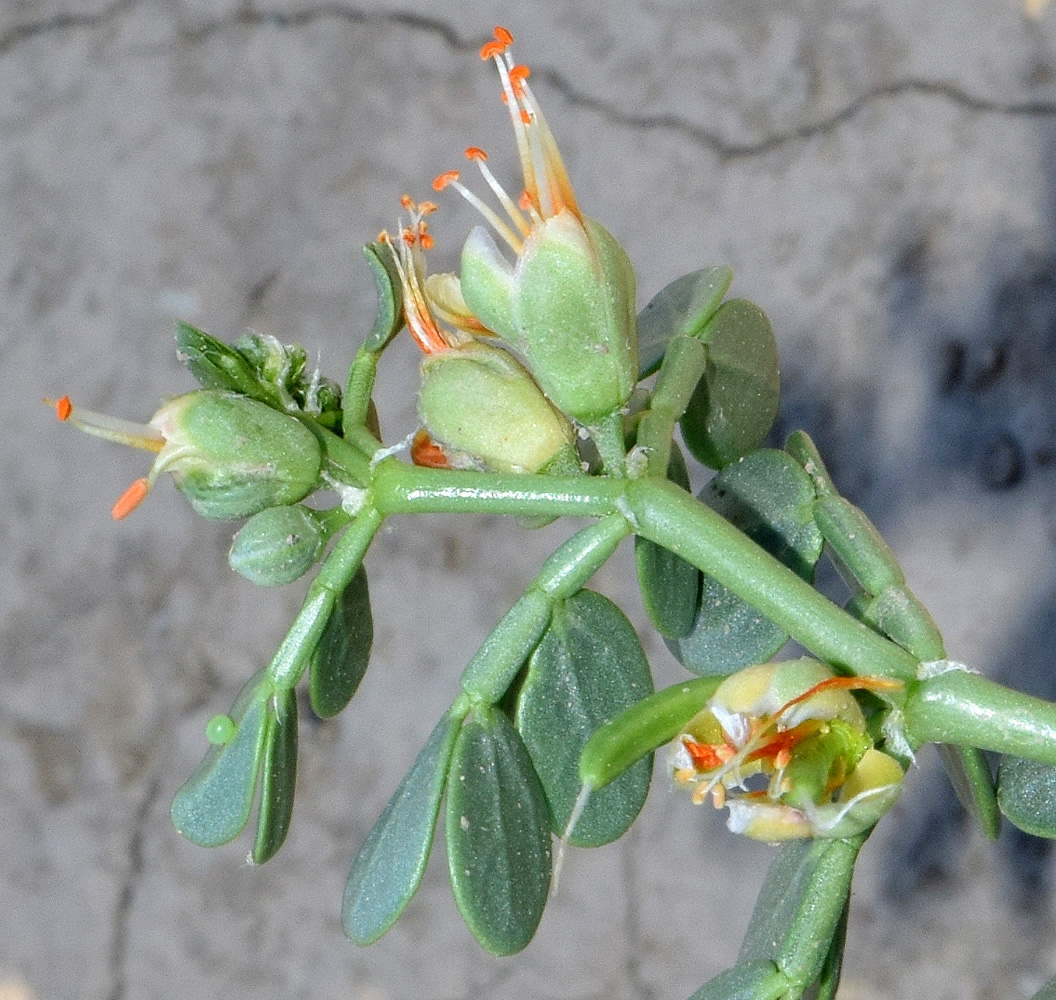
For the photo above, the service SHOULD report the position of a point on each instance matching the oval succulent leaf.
(498, 834)
(1026, 793)
(278, 776)
(214, 804)
(341, 657)
(680, 308)
(389, 316)
(389, 867)
(670, 586)
(588, 667)
(755, 980)
(735, 403)
(769, 497)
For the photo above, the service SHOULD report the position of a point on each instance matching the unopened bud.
(277, 546)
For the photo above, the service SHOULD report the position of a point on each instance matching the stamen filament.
(512, 239)
(110, 428)
(515, 214)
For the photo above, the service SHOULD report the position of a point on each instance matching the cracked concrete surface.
(879, 176)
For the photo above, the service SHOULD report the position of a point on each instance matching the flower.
(478, 403)
(229, 455)
(566, 304)
(784, 746)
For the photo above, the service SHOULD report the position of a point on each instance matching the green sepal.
(278, 776)
(799, 910)
(669, 585)
(214, 804)
(641, 729)
(497, 828)
(588, 667)
(735, 403)
(680, 308)
(216, 365)
(389, 867)
(1026, 793)
(340, 658)
(755, 980)
(389, 316)
(770, 498)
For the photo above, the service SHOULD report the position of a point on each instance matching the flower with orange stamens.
(785, 747)
(566, 302)
(479, 405)
(229, 455)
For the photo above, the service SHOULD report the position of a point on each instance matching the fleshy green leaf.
(1047, 992)
(682, 307)
(1026, 793)
(217, 365)
(735, 403)
(755, 980)
(389, 866)
(670, 586)
(769, 497)
(588, 667)
(799, 909)
(969, 773)
(498, 833)
(214, 804)
(278, 776)
(389, 316)
(641, 729)
(340, 659)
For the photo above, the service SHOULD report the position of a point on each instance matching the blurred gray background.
(880, 177)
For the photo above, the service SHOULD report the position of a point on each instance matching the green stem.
(607, 436)
(406, 489)
(970, 710)
(293, 654)
(665, 514)
(683, 365)
(507, 648)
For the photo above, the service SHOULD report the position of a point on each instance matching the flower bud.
(232, 456)
(567, 306)
(478, 401)
(277, 546)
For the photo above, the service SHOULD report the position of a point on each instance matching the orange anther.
(130, 499)
(407, 202)
(503, 35)
(427, 207)
(526, 116)
(519, 73)
(525, 201)
(491, 49)
(408, 237)
(63, 408)
(442, 180)
(703, 756)
(383, 237)
(426, 241)
(783, 758)
(475, 153)
(426, 452)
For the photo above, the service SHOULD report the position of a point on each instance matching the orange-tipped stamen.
(516, 216)
(407, 202)
(63, 407)
(491, 49)
(442, 180)
(503, 35)
(427, 207)
(518, 74)
(130, 499)
(425, 241)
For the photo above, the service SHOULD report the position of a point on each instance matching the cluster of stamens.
(546, 186)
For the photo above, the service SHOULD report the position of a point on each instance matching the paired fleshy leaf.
(735, 403)
(278, 776)
(670, 586)
(389, 316)
(341, 657)
(214, 804)
(800, 908)
(680, 308)
(588, 667)
(758, 979)
(770, 498)
(1026, 793)
(389, 867)
(217, 365)
(498, 833)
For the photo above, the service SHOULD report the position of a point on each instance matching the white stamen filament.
(515, 214)
(512, 239)
(115, 429)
